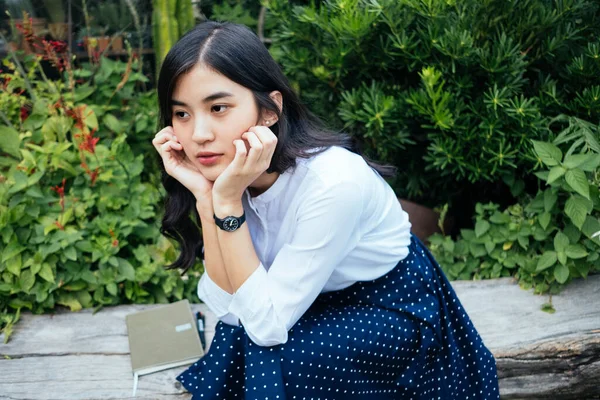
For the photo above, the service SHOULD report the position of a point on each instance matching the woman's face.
(209, 112)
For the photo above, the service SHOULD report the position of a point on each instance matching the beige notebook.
(162, 337)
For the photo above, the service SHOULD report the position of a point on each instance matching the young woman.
(321, 289)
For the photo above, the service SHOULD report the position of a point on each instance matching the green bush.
(79, 209)
(550, 239)
(451, 92)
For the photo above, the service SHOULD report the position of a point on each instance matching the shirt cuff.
(217, 299)
(244, 301)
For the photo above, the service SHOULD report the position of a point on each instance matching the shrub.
(451, 92)
(545, 240)
(79, 210)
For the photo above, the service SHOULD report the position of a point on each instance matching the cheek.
(183, 135)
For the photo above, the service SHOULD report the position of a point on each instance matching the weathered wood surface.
(539, 355)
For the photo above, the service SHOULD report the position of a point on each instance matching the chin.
(210, 174)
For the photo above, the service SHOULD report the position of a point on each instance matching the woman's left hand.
(246, 166)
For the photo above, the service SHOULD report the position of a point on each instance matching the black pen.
(200, 319)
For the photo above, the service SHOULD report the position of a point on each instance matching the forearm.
(213, 260)
(237, 249)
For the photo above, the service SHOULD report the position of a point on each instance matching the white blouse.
(323, 225)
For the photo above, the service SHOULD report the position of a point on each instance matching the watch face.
(231, 224)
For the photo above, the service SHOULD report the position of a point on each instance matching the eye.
(220, 106)
(180, 114)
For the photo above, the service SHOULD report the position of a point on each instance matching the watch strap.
(221, 223)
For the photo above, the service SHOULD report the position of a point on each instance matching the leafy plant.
(79, 196)
(451, 92)
(114, 16)
(544, 241)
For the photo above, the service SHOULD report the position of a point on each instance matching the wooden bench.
(539, 355)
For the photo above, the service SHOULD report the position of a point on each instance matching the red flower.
(89, 142)
(58, 46)
(92, 174)
(60, 190)
(24, 113)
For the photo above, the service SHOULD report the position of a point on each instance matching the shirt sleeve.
(216, 299)
(270, 302)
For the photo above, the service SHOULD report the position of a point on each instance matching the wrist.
(205, 210)
(223, 209)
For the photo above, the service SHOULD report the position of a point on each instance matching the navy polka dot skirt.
(404, 335)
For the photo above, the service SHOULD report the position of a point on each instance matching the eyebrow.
(208, 99)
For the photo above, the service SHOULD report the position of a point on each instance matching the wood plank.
(80, 332)
(539, 355)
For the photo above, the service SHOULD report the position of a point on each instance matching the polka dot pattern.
(404, 335)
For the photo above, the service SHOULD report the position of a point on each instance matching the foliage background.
(489, 108)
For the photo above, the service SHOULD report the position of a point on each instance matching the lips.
(208, 158)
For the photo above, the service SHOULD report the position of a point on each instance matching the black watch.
(230, 223)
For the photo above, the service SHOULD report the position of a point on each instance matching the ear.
(269, 115)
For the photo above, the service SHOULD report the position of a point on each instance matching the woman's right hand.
(179, 166)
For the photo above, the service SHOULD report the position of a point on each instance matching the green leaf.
(67, 299)
(27, 280)
(14, 264)
(71, 253)
(555, 173)
(112, 288)
(548, 307)
(12, 249)
(575, 160)
(477, 250)
(83, 91)
(562, 257)
(544, 220)
(20, 182)
(561, 273)
(10, 141)
(590, 228)
(576, 251)
(591, 164)
(577, 180)
(549, 199)
(46, 273)
(126, 269)
(500, 218)
(85, 246)
(481, 227)
(90, 118)
(547, 260)
(112, 123)
(547, 152)
(561, 241)
(576, 210)
(523, 241)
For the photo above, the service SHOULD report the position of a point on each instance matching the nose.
(202, 131)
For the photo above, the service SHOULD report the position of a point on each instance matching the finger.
(266, 135)
(240, 155)
(166, 129)
(165, 138)
(170, 145)
(268, 139)
(256, 147)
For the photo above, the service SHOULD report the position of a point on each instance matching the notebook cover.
(163, 337)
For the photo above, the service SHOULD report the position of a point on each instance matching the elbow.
(229, 319)
(268, 337)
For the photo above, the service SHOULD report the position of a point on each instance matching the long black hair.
(237, 53)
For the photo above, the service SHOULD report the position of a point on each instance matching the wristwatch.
(230, 223)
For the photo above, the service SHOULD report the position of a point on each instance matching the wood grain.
(539, 355)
